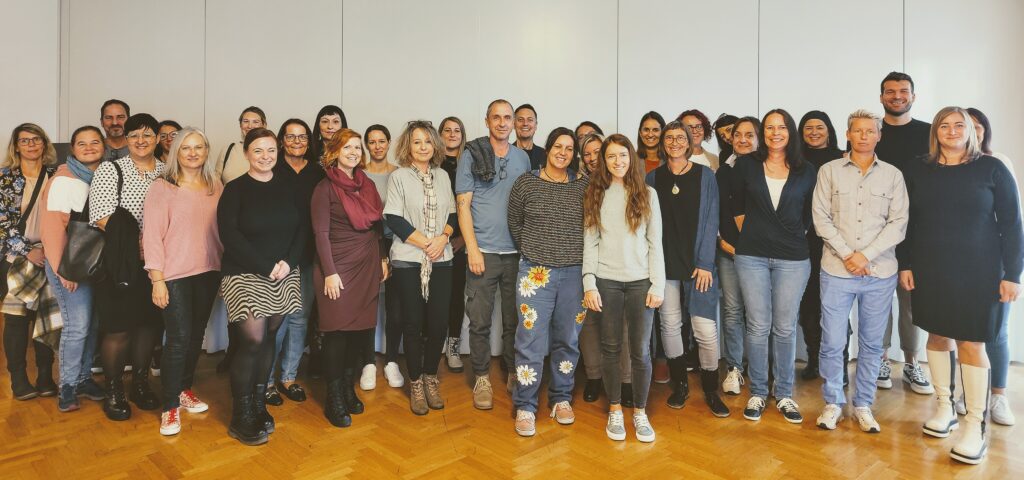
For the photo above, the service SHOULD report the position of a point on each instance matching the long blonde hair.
(638, 198)
(13, 158)
(172, 171)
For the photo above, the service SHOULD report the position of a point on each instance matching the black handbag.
(83, 253)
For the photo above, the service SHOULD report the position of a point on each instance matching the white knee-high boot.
(973, 442)
(944, 420)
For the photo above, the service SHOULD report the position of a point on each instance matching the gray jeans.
(590, 349)
(624, 303)
(910, 335)
(499, 271)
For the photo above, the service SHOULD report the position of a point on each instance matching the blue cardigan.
(701, 304)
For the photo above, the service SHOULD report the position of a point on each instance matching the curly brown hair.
(638, 198)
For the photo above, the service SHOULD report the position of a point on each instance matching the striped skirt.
(250, 295)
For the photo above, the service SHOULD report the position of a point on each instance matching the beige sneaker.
(562, 413)
(483, 397)
(526, 423)
(417, 398)
(434, 399)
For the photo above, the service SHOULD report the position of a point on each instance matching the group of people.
(602, 251)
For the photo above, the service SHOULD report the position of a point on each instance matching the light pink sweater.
(180, 236)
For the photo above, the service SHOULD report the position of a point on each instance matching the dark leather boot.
(709, 383)
(260, 404)
(21, 388)
(334, 408)
(679, 382)
(44, 380)
(592, 390)
(348, 391)
(116, 406)
(142, 394)
(246, 426)
(810, 372)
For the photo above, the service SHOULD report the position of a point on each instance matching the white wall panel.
(827, 56)
(429, 60)
(149, 54)
(284, 57)
(31, 58)
(674, 56)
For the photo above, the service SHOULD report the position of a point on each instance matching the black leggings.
(425, 323)
(16, 333)
(255, 353)
(190, 301)
(343, 351)
(392, 322)
(457, 310)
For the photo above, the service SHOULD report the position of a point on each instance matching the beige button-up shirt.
(860, 213)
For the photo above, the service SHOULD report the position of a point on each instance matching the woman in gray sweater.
(623, 274)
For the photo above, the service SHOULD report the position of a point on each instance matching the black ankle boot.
(627, 395)
(592, 390)
(679, 382)
(259, 402)
(348, 391)
(44, 381)
(810, 372)
(141, 393)
(116, 406)
(334, 408)
(246, 426)
(709, 383)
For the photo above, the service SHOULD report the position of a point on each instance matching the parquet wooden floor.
(388, 441)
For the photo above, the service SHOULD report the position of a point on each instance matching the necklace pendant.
(675, 189)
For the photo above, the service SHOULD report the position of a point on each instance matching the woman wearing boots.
(259, 218)
(421, 211)
(962, 262)
(545, 217)
(182, 251)
(623, 275)
(24, 171)
(688, 200)
(131, 325)
(346, 213)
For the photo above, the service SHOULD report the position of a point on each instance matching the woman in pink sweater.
(182, 249)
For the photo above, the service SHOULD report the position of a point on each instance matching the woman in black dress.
(962, 262)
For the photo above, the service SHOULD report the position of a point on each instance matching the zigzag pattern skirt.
(250, 295)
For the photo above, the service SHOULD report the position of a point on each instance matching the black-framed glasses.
(296, 138)
(502, 168)
(30, 141)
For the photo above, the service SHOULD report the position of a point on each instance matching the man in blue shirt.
(487, 169)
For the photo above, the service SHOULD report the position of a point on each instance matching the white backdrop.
(201, 62)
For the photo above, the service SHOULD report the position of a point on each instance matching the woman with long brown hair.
(623, 274)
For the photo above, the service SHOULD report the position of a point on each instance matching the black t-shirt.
(679, 199)
(449, 165)
(538, 157)
(305, 181)
(901, 143)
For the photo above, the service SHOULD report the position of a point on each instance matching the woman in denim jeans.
(182, 250)
(772, 191)
(623, 274)
(545, 217)
(65, 194)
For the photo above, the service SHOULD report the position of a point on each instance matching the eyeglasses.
(189, 148)
(675, 139)
(144, 136)
(165, 136)
(30, 141)
(696, 127)
(296, 138)
(502, 168)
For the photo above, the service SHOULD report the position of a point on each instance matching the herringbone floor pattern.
(388, 441)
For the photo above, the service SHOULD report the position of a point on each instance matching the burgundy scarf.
(358, 197)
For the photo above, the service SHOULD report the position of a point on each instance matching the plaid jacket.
(30, 292)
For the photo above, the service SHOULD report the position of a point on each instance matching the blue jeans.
(999, 353)
(78, 337)
(550, 314)
(291, 337)
(874, 302)
(772, 289)
(733, 313)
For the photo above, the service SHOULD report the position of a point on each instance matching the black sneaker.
(66, 400)
(790, 410)
(91, 390)
(755, 407)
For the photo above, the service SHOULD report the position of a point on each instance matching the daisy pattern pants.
(549, 303)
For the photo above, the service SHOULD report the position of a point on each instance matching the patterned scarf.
(429, 226)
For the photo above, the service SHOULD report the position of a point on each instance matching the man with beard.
(904, 139)
(113, 114)
(526, 128)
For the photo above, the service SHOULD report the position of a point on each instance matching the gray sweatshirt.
(614, 253)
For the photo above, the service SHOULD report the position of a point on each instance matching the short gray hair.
(864, 114)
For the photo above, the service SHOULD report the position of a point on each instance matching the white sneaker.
(368, 380)
(830, 416)
(616, 427)
(394, 375)
(733, 380)
(642, 425)
(190, 402)
(915, 377)
(170, 422)
(884, 380)
(866, 420)
(999, 410)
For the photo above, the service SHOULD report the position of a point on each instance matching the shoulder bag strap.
(32, 203)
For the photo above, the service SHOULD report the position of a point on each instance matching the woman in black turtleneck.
(819, 147)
